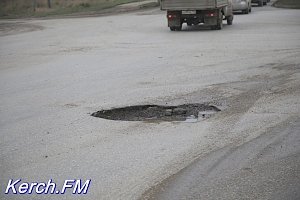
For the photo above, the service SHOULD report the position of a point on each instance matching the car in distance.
(260, 3)
(241, 5)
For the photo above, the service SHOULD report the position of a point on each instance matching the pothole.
(185, 112)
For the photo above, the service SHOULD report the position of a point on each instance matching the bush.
(84, 5)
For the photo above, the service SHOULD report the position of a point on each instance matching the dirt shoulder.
(97, 10)
(293, 4)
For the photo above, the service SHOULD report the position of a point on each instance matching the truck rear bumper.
(176, 18)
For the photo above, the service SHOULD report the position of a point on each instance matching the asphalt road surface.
(54, 73)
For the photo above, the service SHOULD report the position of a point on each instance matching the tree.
(49, 3)
(34, 5)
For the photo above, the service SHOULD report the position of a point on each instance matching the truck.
(209, 13)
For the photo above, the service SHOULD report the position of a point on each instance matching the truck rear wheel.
(219, 26)
(175, 28)
(220, 21)
(229, 20)
(246, 11)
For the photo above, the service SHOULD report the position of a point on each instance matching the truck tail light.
(211, 14)
(170, 16)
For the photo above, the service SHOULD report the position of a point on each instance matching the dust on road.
(11, 28)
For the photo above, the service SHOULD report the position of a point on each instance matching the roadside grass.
(25, 8)
(294, 4)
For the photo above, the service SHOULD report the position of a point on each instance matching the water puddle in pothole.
(189, 113)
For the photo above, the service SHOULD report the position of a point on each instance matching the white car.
(242, 5)
(260, 3)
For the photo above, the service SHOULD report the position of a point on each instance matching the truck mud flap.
(174, 23)
(174, 18)
(211, 17)
(210, 20)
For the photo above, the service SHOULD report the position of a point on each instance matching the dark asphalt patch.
(185, 112)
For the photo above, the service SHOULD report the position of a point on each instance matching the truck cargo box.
(192, 4)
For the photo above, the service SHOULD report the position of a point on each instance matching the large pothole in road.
(185, 112)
